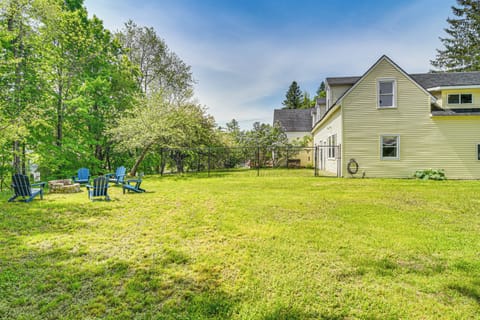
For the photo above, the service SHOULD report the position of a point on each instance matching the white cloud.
(243, 71)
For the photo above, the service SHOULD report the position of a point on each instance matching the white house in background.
(297, 124)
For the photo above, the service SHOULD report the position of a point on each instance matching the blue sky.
(245, 53)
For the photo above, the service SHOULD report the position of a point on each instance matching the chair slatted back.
(120, 171)
(21, 185)
(100, 186)
(83, 174)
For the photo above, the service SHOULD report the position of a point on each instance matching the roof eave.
(440, 88)
(327, 115)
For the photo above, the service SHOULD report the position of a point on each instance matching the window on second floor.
(386, 93)
(460, 98)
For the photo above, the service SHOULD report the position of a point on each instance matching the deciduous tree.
(159, 69)
(157, 123)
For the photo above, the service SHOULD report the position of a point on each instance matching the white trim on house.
(459, 98)
(454, 88)
(394, 93)
(328, 116)
(398, 147)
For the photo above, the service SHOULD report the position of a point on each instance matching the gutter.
(440, 88)
(326, 116)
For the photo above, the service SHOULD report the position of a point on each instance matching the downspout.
(342, 145)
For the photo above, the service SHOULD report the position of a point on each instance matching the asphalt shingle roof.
(342, 80)
(447, 79)
(426, 80)
(294, 120)
(321, 100)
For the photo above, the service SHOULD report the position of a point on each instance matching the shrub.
(430, 174)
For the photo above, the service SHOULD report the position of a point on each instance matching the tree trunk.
(134, 169)
(17, 52)
(17, 165)
(163, 163)
(99, 152)
(178, 157)
(24, 159)
(107, 158)
(59, 137)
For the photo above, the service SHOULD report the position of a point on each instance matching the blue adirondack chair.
(118, 177)
(22, 188)
(129, 186)
(99, 188)
(83, 176)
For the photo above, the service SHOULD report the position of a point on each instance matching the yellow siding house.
(392, 123)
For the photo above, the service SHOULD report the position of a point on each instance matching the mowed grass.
(237, 246)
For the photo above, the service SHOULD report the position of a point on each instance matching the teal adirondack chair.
(98, 189)
(118, 177)
(83, 176)
(129, 186)
(22, 188)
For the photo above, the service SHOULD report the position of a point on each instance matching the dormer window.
(463, 98)
(386, 93)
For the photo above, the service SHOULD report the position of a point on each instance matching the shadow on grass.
(289, 313)
(21, 219)
(59, 283)
(391, 266)
(51, 280)
(467, 291)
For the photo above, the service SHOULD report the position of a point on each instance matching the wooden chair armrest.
(39, 184)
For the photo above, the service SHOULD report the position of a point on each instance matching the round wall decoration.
(352, 166)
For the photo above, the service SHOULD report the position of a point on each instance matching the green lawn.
(237, 246)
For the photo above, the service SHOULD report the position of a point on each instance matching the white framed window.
(386, 93)
(460, 98)
(390, 147)
(332, 146)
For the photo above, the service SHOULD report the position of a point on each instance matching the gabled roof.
(357, 80)
(294, 120)
(426, 80)
(384, 58)
(321, 101)
(336, 81)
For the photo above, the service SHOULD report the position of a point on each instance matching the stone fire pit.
(63, 186)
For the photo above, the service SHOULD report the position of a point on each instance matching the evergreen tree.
(321, 93)
(294, 97)
(462, 46)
